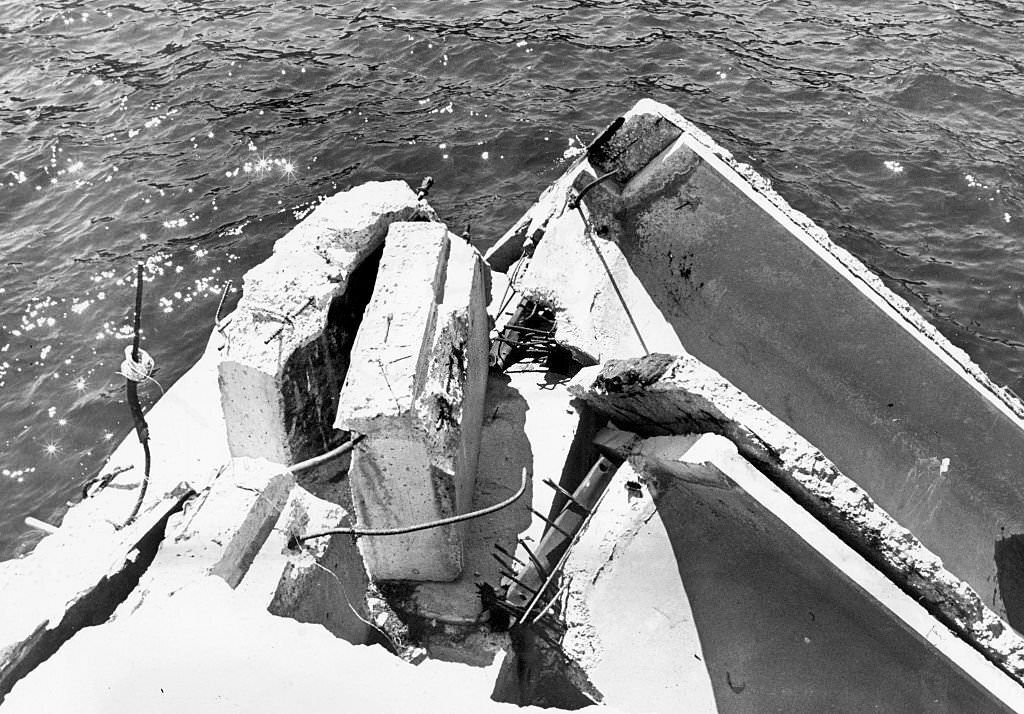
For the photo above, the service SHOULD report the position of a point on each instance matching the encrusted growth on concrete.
(660, 394)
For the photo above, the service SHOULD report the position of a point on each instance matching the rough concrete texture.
(755, 290)
(416, 390)
(628, 149)
(206, 650)
(771, 611)
(455, 383)
(663, 394)
(70, 583)
(221, 530)
(323, 582)
(529, 423)
(288, 339)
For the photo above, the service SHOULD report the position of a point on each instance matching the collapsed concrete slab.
(663, 394)
(756, 290)
(415, 389)
(288, 340)
(740, 600)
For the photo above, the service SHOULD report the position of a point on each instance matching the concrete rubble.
(709, 508)
(288, 340)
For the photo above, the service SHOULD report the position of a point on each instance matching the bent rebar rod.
(295, 540)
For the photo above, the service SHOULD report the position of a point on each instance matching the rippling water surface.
(190, 135)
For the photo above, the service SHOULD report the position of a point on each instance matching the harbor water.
(189, 136)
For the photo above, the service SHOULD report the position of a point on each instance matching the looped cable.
(137, 371)
(141, 370)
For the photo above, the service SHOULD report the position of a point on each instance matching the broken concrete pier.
(754, 289)
(706, 517)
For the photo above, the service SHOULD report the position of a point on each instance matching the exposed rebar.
(295, 540)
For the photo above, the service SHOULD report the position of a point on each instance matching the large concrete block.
(416, 390)
(664, 394)
(287, 343)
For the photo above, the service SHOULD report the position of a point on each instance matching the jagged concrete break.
(741, 601)
(220, 532)
(288, 340)
(416, 390)
(67, 584)
(664, 394)
(323, 582)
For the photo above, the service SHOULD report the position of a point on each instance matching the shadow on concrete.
(873, 392)
(1009, 557)
(782, 632)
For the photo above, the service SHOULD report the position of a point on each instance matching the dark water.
(192, 134)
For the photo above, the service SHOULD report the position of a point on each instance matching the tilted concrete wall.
(754, 289)
(708, 585)
(288, 340)
(663, 394)
(415, 390)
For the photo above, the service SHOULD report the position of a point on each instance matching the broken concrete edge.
(455, 380)
(285, 307)
(95, 598)
(221, 531)
(760, 190)
(587, 295)
(186, 431)
(705, 402)
(709, 466)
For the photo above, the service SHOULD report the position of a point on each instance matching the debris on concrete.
(710, 555)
